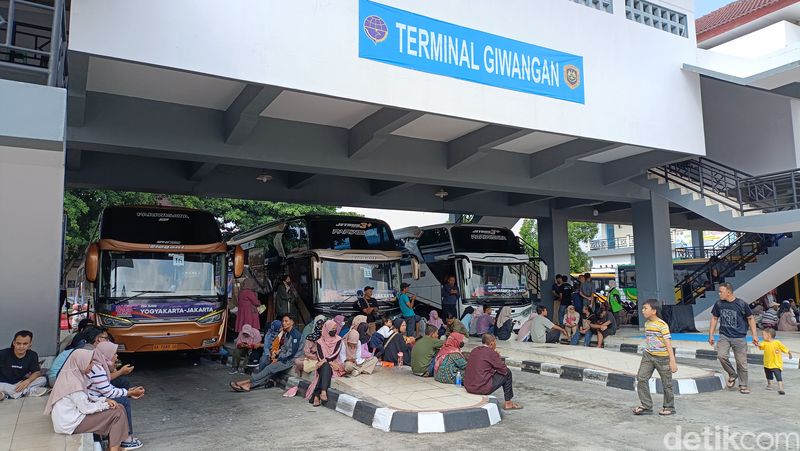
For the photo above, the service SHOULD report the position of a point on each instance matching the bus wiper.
(139, 293)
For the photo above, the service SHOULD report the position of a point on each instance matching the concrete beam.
(515, 199)
(384, 187)
(372, 131)
(477, 144)
(462, 193)
(130, 126)
(626, 168)
(608, 207)
(563, 155)
(563, 203)
(297, 180)
(243, 114)
(198, 171)
(76, 90)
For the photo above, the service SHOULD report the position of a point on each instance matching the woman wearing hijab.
(329, 346)
(503, 324)
(105, 358)
(73, 411)
(435, 321)
(247, 312)
(450, 361)
(310, 326)
(339, 319)
(786, 318)
(466, 318)
(247, 340)
(397, 343)
(351, 356)
(307, 363)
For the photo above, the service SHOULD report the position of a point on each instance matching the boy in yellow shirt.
(773, 358)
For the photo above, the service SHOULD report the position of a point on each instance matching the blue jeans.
(411, 326)
(125, 402)
(562, 310)
(586, 341)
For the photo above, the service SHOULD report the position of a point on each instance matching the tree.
(82, 209)
(577, 233)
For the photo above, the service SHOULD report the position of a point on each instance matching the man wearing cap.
(367, 305)
(406, 303)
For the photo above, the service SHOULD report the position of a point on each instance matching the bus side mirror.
(238, 261)
(316, 269)
(414, 267)
(466, 268)
(92, 262)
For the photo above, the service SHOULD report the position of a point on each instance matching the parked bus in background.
(329, 260)
(158, 278)
(489, 264)
(600, 282)
(680, 268)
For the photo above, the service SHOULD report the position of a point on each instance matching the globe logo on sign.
(375, 29)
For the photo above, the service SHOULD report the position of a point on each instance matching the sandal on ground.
(731, 382)
(781, 392)
(769, 387)
(744, 390)
(642, 411)
(237, 388)
(323, 397)
(514, 406)
(316, 402)
(666, 412)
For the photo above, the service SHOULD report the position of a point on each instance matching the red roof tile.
(734, 15)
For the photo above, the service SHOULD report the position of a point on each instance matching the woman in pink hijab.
(435, 321)
(329, 347)
(247, 311)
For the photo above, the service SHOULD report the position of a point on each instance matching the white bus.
(489, 264)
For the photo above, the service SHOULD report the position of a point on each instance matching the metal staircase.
(754, 263)
(729, 197)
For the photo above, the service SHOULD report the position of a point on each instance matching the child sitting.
(773, 358)
(570, 321)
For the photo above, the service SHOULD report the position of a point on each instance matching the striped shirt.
(656, 333)
(100, 386)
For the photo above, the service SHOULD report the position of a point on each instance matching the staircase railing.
(533, 273)
(733, 188)
(745, 249)
(35, 49)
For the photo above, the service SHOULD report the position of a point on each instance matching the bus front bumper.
(182, 336)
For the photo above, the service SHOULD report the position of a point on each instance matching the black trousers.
(325, 373)
(500, 380)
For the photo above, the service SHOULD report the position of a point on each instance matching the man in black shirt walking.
(734, 317)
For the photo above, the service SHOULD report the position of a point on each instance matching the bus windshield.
(161, 274)
(342, 280)
(495, 280)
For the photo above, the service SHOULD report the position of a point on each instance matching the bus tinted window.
(159, 226)
(295, 237)
(485, 240)
(342, 235)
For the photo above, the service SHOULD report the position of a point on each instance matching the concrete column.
(654, 275)
(31, 201)
(697, 239)
(554, 249)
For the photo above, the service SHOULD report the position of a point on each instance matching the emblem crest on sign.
(572, 76)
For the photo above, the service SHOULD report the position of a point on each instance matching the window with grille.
(656, 16)
(602, 5)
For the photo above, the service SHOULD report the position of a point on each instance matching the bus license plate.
(166, 347)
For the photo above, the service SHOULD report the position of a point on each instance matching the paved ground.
(190, 407)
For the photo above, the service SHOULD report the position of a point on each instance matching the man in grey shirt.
(587, 292)
(543, 330)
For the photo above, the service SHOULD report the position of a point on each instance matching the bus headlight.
(113, 321)
(213, 317)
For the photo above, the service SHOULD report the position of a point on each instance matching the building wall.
(748, 129)
(31, 201)
(313, 46)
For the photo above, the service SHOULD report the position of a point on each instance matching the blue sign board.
(416, 42)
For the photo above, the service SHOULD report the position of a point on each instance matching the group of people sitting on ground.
(783, 317)
(89, 393)
(589, 323)
(329, 348)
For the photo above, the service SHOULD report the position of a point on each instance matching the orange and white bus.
(158, 277)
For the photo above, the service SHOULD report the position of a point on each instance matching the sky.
(703, 7)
